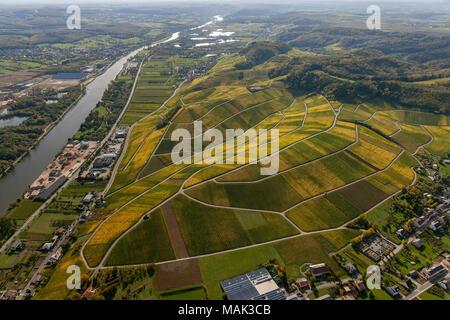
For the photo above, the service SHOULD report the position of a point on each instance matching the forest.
(259, 52)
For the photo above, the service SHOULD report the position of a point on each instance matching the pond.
(14, 121)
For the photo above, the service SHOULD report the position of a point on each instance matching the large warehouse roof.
(255, 285)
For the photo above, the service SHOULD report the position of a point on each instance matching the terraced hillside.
(337, 161)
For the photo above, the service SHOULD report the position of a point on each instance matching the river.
(16, 182)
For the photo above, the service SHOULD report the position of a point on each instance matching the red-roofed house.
(360, 285)
(89, 293)
(302, 283)
(318, 270)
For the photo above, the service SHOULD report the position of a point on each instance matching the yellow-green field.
(334, 164)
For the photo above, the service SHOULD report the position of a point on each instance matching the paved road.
(74, 175)
(41, 267)
(424, 287)
(125, 146)
(38, 212)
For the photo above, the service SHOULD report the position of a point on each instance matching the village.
(319, 283)
(64, 168)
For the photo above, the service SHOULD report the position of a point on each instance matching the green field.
(23, 210)
(323, 212)
(184, 294)
(283, 191)
(411, 137)
(154, 88)
(152, 232)
(429, 119)
(309, 248)
(440, 145)
(206, 229)
(332, 169)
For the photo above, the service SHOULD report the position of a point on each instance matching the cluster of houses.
(48, 246)
(102, 164)
(57, 254)
(86, 202)
(189, 73)
(350, 289)
(431, 169)
(263, 284)
(433, 219)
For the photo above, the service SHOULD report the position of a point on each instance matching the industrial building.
(255, 285)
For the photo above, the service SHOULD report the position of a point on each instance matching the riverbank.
(16, 182)
(46, 131)
(89, 159)
(51, 125)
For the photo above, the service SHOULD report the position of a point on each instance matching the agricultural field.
(441, 136)
(60, 213)
(155, 86)
(428, 119)
(201, 223)
(337, 208)
(23, 210)
(328, 168)
(411, 137)
(355, 126)
(293, 253)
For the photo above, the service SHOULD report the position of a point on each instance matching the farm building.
(44, 194)
(255, 285)
(435, 271)
(417, 243)
(302, 283)
(88, 198)
(318, 270)
(17, 246)
(102, 162)
(47, 246)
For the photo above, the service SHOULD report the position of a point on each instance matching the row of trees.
(97, 124)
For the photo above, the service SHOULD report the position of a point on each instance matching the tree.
(6, 227)
(75, 296)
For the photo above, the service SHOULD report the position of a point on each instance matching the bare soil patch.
(177, 274)
(176, 238)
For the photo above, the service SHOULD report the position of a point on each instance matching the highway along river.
(16, 182)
